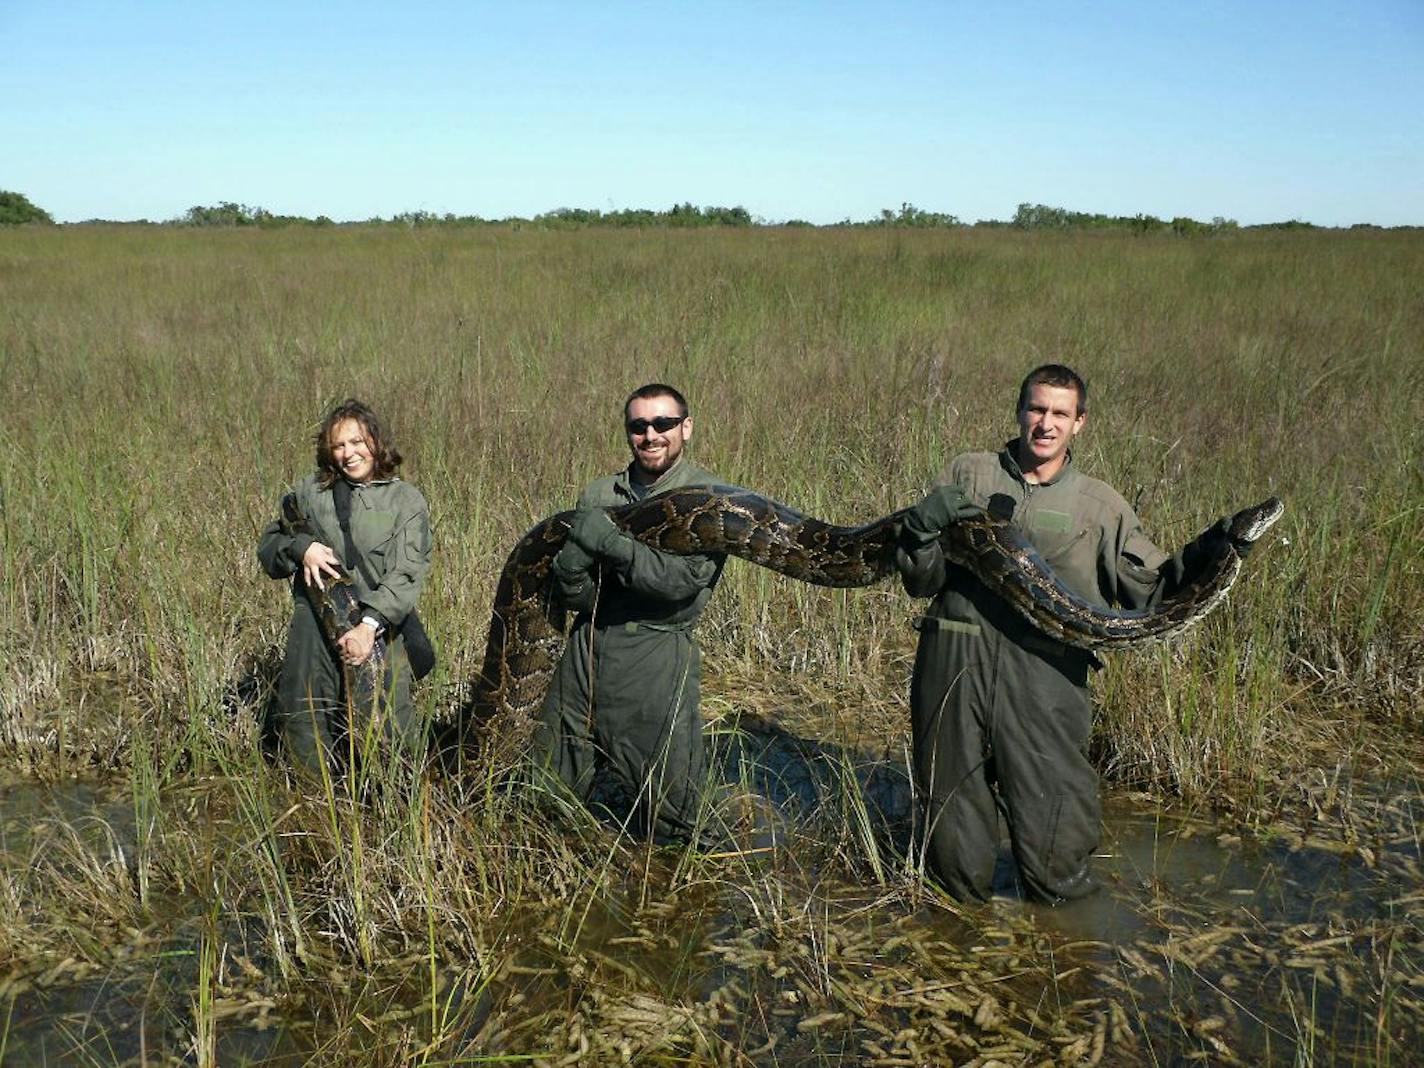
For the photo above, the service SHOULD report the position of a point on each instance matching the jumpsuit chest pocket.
(1053, 533)
(372, 532)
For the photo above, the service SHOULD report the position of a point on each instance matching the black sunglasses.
(662, 424)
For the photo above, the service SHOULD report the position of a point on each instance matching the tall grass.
(160, 388)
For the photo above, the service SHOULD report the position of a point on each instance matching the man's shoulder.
(601, 492)
(1102, 495)
(975, 461)
(696, 475)
(970, 469)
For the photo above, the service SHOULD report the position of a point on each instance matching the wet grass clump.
(161, 387)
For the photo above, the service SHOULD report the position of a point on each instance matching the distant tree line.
(1043, 217)
(16, 209)
(230, 214)
(679, 215)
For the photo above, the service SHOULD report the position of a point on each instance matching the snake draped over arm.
(526, 625)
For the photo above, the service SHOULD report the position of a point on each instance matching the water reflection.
(1270, 949)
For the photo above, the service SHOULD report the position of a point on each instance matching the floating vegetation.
(169, 894)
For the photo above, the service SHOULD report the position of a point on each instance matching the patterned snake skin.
(338, 610)
(526, 633)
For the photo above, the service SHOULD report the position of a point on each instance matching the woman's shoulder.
(307, 487)
(403, 496)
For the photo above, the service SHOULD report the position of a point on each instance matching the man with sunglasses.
(1000, 714)
(625, 693)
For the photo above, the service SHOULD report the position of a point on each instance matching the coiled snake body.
(526, 634)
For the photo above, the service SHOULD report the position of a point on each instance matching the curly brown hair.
(387, 458)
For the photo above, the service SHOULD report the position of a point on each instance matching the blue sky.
(821, 111)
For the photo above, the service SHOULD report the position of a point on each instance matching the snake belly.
(526, 624)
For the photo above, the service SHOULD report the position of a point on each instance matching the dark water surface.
(1292, 946)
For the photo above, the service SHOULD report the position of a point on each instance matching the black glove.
(941, 507)
(597, 535)
(572, 559)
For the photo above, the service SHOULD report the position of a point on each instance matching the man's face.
(655, 450)
(1048, 422)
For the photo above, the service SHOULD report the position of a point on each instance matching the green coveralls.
(996, 706)
(626, 691)
(390, 526)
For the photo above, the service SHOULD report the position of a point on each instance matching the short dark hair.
(1059, 377)
(656, 389)
(385, 456)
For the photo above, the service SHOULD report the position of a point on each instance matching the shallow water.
(1298, 947)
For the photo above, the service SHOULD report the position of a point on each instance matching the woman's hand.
(356, 644)
(319, 561)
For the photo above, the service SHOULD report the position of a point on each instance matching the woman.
(384, 546)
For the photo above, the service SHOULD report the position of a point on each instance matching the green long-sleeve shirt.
(390, 527)
(652, 587)
(1083, 528)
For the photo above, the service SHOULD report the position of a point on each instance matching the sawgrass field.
(160, 388)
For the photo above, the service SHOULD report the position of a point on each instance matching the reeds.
(161, 388)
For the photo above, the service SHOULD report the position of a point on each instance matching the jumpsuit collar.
(634, 490)
(370, 482)
(1008, 460)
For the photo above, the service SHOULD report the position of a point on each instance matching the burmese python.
(337, 609)
(526, 634)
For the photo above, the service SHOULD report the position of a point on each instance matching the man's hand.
(356, 644)
(596, 534)
(941, 507)
(319, 561)
(572, 558)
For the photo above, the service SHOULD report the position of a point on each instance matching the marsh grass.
(161, 388)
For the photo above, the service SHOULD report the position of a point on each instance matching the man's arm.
(918, 556)
(574, 576)
(921, 568)
(665, 576)
(638, 567)
(1143, 575)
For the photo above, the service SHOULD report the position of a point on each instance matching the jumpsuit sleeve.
(574, 582)
(640, 569)
(921, 568)
(1141, 575)
(280, 552)
(407, 561)
(665, 576)
(921, 564)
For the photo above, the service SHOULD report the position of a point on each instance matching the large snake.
(526, 634)
(337, 610)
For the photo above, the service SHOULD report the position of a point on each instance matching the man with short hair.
(1000, 713)
(625, 693)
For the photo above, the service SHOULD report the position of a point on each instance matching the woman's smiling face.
(351, 451)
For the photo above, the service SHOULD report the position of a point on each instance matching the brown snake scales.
(526, 632)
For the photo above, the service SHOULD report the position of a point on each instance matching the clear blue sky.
(1255, 111)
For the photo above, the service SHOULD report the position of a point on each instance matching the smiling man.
(1000, 713)
(625, 693)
